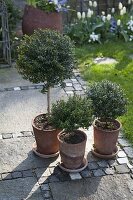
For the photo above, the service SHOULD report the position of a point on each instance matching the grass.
(120, 72)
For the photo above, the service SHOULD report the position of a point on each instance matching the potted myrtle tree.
(46, 57)
(42, 14)
(109, 102)
(70, 115)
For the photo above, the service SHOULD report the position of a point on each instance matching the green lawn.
(121, 72)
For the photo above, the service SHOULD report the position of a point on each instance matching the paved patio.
(23, 175)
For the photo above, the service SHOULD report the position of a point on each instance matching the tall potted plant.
(42, 14)
(109, 102)
(70, 115)
(46, 56)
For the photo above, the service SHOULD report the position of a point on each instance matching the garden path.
(26, 176)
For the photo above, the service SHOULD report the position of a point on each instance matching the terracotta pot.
(35, 18)
(105, 140)
(46, 140)
(72, 155)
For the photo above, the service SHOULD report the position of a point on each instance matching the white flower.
(92, 12)
(90, 3)
(118, 22)
(103, 18)
(93, 37)
(79, 15)
(121, 12)
(103, 13)
(124, 10)
(55, 2)
(120, 6)
(108, 17)
(83, 15)
(94, 4)
(113, 10)
(89, 13)
(129, 1)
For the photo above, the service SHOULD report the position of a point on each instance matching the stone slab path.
(23, 175)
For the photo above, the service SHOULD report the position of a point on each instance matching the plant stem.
(48, 101)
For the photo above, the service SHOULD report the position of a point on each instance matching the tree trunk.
(48, 101)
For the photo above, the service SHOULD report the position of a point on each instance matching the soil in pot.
(45, 135)
(72, 138)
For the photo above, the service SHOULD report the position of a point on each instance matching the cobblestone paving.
(41, 177)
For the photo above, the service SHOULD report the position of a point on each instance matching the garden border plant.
(109, 102)
(46, 57)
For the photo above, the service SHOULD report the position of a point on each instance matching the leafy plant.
(46, 56)
(72, 114)
(108, 99)
(49, 5)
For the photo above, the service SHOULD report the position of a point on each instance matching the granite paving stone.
(27, 173)
(43, 180)
(45, 187)
(109, 171)
(122, 160)
(24, 87)
(74, 80)
(129, 165)
(6, 176)
(75, 176)
(67, 89)
(123, 142)
(46, 194)
(69, 84)
(77, 87)
(98, 172)
(26, 133)
(17, 88)
(121, 169)
(7, 135)
(86, 173)
(42, 172)
(69, 93)
(102, 163)
(112, 163)
(121, 154)
(53, 178)
(17, 174)
(17, 135)
(93, 165)
(129, 151)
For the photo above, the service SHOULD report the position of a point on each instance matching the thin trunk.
(48, 101)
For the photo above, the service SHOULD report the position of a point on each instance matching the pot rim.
(35, 8)
(33, 124)
(108, 131)
(62, 142)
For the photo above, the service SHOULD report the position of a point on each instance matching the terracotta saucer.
(95, 153)
(83, 166)
(34, 149)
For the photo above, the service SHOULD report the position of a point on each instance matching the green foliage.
(46, 56)
(48, 5)
(81, 29)
(109, 100)
(72, 114)
(13, 16)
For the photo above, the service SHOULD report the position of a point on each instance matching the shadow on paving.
(21, 181)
